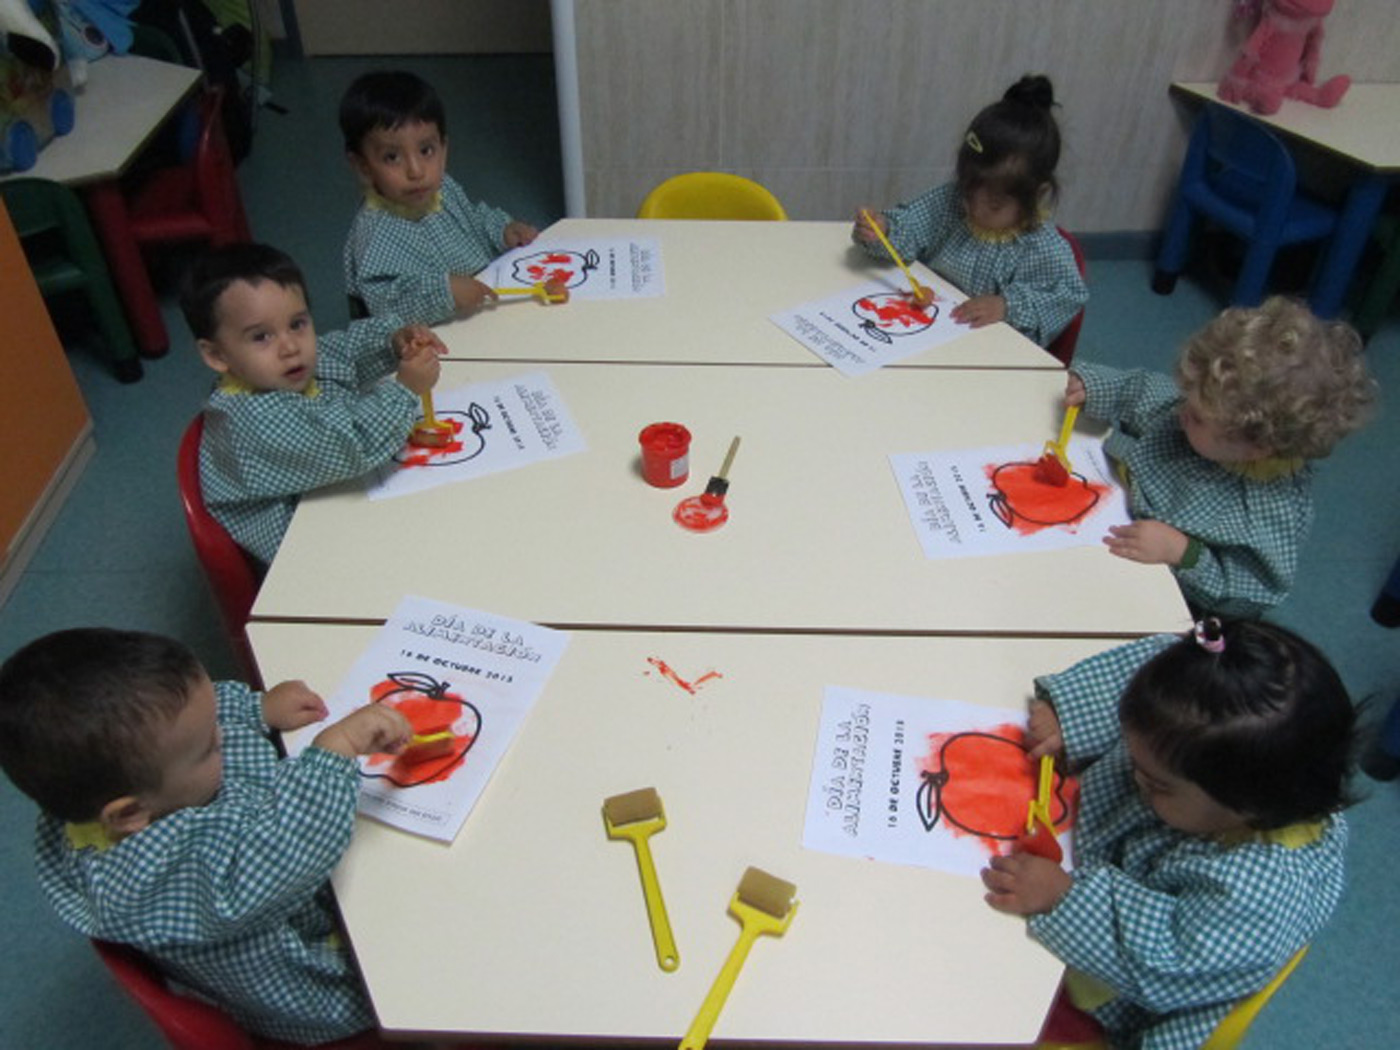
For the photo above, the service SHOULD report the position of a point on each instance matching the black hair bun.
(1032, 90)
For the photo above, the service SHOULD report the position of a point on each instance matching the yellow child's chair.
(710, 195)
(1228, 1032)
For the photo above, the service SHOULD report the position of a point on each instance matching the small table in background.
(125, 101)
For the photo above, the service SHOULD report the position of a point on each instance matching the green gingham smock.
(262, 450)
(1179, 926)
(1250, 530)
(400, 265)
(231, 899)
(1034, 272)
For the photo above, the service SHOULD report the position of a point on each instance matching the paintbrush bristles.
(642, 804)
(767, 893)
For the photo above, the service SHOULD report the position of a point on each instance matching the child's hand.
(419, 368)
(374, 727)
(518, 234)
(1147, 541)
(1024, 884)
(980, 311)
(1075, 394)
(861, 232)
(1043, 733)
(469, 295)
(412, 336)
(291, 705)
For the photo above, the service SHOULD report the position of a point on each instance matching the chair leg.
(1254, 273)
(1171, 259)
(1382, 289)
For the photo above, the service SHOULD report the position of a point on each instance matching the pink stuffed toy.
(1279, 60)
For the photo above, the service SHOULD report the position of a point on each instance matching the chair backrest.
(39, 206)
(1233, 1026)
(230, 572)
(187, 1023)
(1063, 345)
(1244, 165)
(710, 195)
(216, 181)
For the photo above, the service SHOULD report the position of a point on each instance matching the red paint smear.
(1028, 504)
(696, 515)
(990, 783)
(422, 456)
(551, 274)
(667, 671)
(896, 313)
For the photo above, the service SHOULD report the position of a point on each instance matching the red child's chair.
(232, 574)
(194, 200)
(191, 1024)
(1062, 346)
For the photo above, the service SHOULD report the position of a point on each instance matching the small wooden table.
(1364, 132)
(531, 923)
(123, 104)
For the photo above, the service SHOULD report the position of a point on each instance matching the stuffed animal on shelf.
(1279, 60)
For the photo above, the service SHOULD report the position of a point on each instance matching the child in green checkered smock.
(417, 241)
(1208, 847)
(989, 232)
(291, 412)
(1216, 463)
(169, 823)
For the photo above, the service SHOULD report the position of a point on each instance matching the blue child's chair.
(1240, 176)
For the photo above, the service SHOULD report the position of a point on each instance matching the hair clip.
(1210, 635)
(973, 142)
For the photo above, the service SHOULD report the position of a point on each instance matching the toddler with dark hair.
(169, 823)
(989, 232)
(417, 242)
(1208, 848)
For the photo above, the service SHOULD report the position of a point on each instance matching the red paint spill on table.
(669, 673)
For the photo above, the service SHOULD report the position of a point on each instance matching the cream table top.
(723, 281)
(818, 537)
(532, 922)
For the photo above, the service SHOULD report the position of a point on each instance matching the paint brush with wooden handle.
(763, 904)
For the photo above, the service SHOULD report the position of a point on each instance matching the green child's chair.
(1069, 1029)
(711, 195)
(64, 256)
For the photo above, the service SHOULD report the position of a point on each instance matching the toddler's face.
(1182, 804)
(993, 210)
(405, 164)
(265, 337)
(1211, 440)
(189, 754)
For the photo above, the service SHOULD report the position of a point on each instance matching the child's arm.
(277, 444)
(291, 705)
(1126, 399)
(1084, 697)
(1044, 291)
(1254, 569)
(517, 234)
(915, 228)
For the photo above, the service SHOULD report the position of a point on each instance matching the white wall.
(831, 103)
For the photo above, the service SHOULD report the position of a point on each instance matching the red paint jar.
(665, 454)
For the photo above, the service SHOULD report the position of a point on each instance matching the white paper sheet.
(500, 425)
(915, 780)
(866, 327)
(442, 664)
(967, 502)
(616, 268)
